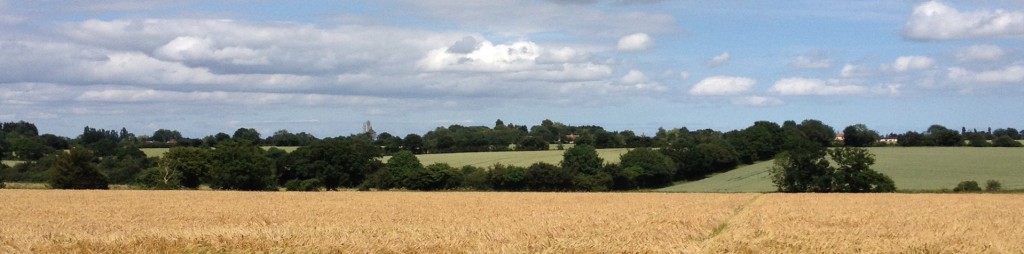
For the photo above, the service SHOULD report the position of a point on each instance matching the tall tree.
(655, 169)
(858, 135)
(582, 159)
(247, 134)
(76, 170)
(241, 165)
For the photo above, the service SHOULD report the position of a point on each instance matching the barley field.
(126, 221)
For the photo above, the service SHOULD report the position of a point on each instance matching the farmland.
(523, 159)
(415, 222)
(917, 168)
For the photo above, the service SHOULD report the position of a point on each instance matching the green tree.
(977, 139)
(507, 178)
(241, 165)
(76, 170)
(247, 134)
(124, 165)
(582, 159)
(655, 169)
(398, 172)
(336, 162)
(854, 173)
(190, 164)
(1005, 141)
(28, 148)
(543, 176)
(858, 135)
(414, 143)
(967, 186)
(818, 132)
(939, 135)
(164, 135)
(531, 143)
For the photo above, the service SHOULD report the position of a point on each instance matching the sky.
(409, 66)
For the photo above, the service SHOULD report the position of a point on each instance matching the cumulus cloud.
(908, 63)
(635, 42)
(719, 59)
(722, 85)
(853, 71)
(807, 86)
(757, 101)
(1010, 74)
(934, 20)
(983, 52)
(812, 61)
(517, 60)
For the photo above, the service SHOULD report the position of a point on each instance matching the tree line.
(356, 161)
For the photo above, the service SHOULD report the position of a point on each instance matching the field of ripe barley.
(48, 221)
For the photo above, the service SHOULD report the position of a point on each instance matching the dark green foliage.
(582, 159)
(76, 170)
(531, 143)
(623, 178)
(939, 135)
(337, 162)
(125, 164)
(911, 138)
(818, 132)
(399, 172)
(160, 178)
(993, 185)
(474, 178)
(1005, 141)
(190, 164)
(655, 169)
(31, 171)
(247, 134)
(597, 182)
(507, 178)
(241, 165)
(854, 173)
(27, 148)
(858, 135)
(1012, 133)
(437, 176)
(977, 139)
(967, 186)
(801, 172)
(413, 143)
(547, 177)
(165, 135)
(304, 185)
(285, 138)
(389, 143)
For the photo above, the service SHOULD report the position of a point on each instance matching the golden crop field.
(49, 221)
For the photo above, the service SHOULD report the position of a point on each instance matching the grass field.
(157, 152)
(56, 221)
(912, 168)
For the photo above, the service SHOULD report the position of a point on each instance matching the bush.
(656, 169)
(507, 177)
(993, 185)
(1005, 141)
(547, 177)
(75, 170)
(967, 186)
(312, 184)
(159, 178)
(474, 178)
(240, 165)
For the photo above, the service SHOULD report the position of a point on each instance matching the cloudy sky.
(324, 67)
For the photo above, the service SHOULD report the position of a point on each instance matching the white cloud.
(853, 71)
(635, 42)
(1010, 74)
(908, 63)
(983, 52)
(634, 76)
(758, 101)
(719, 59)
(811, 62)
(124, 95)
(722, 85)
(806, 86)
(188, 48)
(934, 20)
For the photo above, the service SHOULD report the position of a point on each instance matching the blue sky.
(408, 66)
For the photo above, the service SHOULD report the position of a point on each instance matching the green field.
(10, 163)
(912, 168)
(524, 159)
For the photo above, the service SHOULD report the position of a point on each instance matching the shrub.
(75, 170)
(474, 178)
(159, 178)
(993, 185)
(1005, 141)
(967, 186)
(312, 184)
(507, 177)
